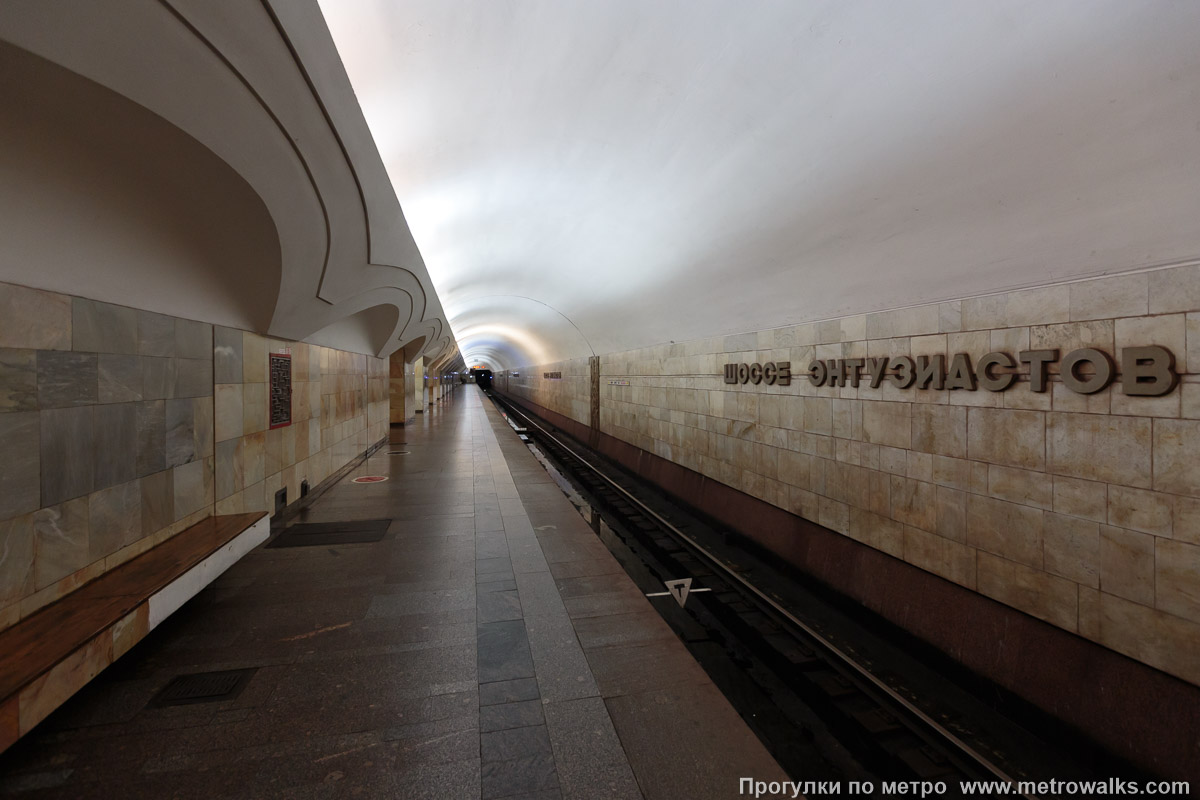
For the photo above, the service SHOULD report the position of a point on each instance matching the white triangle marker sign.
(679, 589)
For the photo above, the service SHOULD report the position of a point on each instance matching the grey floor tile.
(498, 606)
(510, 715)
(643, 666)
(502, 779)
(496, 586)
(508, 691)
(587, 752)
(563, 671)
(689, 742)
(504, 651)
(514, 743)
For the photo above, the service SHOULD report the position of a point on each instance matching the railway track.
(822, 714)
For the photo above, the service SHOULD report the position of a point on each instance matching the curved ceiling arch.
(372, 324)
(518, 330)
(90, 177)
(261, 86)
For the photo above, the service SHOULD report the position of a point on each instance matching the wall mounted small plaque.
(280, 375)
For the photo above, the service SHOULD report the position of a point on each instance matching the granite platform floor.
(488, 647)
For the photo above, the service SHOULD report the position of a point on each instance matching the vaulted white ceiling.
(594, 175)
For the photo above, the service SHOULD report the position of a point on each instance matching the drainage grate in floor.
(203, 687)
(309, 534)
(398, 452)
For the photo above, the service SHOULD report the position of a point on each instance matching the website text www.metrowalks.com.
(750, 787)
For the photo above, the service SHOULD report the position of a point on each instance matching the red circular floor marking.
(370, 479)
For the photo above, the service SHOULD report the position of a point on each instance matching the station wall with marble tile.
(1082, 510)
(340, 407)
(106, 436)
(569, 394)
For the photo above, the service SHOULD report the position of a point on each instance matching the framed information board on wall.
(280, 376)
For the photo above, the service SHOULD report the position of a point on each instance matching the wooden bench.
(48, 656)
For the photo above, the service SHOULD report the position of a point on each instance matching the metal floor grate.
(203, 687)
(309, 534)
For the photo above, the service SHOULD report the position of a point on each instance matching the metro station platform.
(487, 645)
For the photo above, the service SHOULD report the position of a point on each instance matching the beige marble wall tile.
(1192, 328)
(203, 426)
(16, 559)
(60, 541)
(1189, 400)
(1071, 548)
(1073, 402)
(1177, 578)
(1021, 486)
(1005, 529)
(1008, 340)
(20, 462)
(1141, 510)
(914, 503)
(920, 467)
(1186, 526)
(833, 515)
(1168, 330)
(1089, 613)
(949, 559)
(158, 502)
(974, 343)
(934, 345)
(1047, 597)
(1041, 306)
(879, 492)
(1127, 564)
(1003, 436)
(1155, 637)
(254, 358)
(1079, 498)
(254, 456)
(254, 498)
(980, 313)
(847, 419)
(1124, 296)
(941, 430)
(18, 380)
(951, 514)
(1019, 397)
(950, 316)
(1093, 447)
(192, 485)
(876, 531)
(954, 473)
(254, 408)
(888, 424)
(230, 505)
(1072, 336)
(229, 414)
(818, 415)
(273, 452)
(33, 319)
(1175, 289)
(1176, 465)
(114, 519)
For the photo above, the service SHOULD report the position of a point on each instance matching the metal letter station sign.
(1145, 371)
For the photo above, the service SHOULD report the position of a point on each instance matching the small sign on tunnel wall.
(281, 389)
